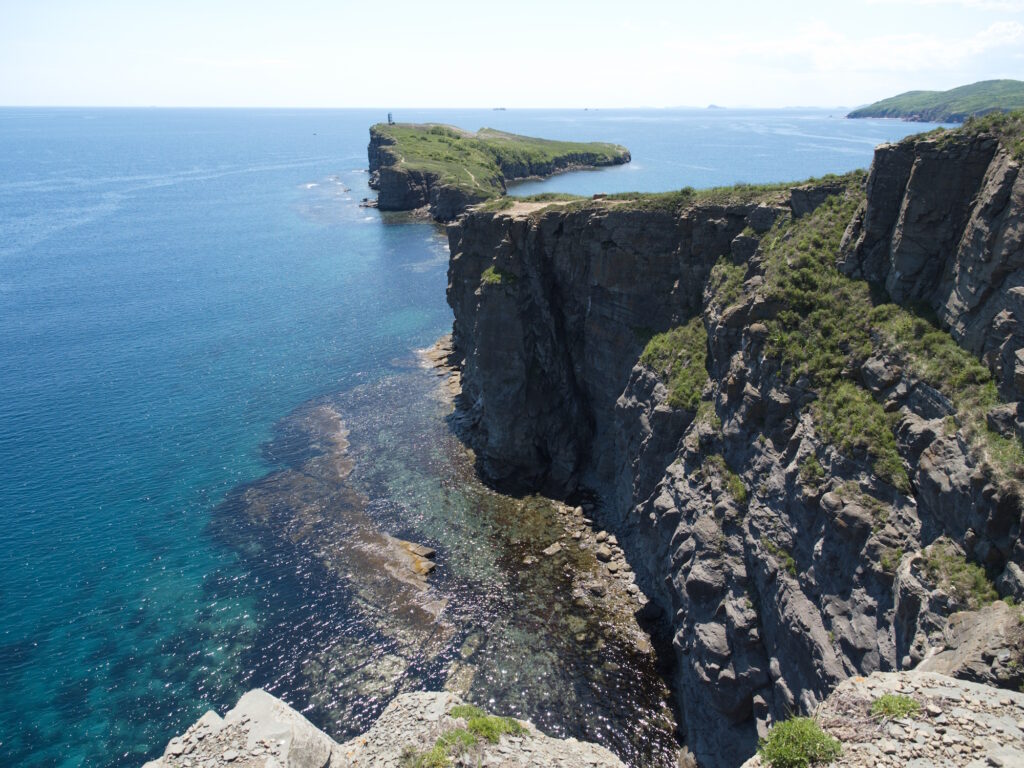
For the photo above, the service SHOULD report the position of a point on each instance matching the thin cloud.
(1000, 6)
(820, 48)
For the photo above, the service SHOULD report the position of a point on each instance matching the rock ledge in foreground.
(264, 732)
(960, 723)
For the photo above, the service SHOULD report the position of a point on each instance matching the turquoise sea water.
(173, 284)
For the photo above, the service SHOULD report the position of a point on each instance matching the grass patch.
(798, 743)
(487, 727)
(732, 482)
(932, 355)
(953, 573)
(891, 706)
(726, 282)
(1008, 126)
(852, 420)
(779, 553)
(679, 356)
(480, 727)
(811, 471)
(706, 414)
(677, 200)
(889, 560)
(496, 276)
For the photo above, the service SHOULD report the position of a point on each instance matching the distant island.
(953, 106)
(446, 169)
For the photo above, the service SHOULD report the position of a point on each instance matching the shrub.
(798, 743)
(732, 482)
(852, 419)
(679, 356)
(457, 741)
(811, 471)
(496, 276)
(892, 706)
(778, 552)
(964, 580)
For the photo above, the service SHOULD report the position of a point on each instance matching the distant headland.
(446, 169)
(952, 106)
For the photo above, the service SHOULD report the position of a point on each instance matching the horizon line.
(708, 108)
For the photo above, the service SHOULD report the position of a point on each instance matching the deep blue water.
(172, 284)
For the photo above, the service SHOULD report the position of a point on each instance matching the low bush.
(952, 572)
(798, 743)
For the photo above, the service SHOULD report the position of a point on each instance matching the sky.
(518, 53)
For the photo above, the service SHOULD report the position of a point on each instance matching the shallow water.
(173, 285)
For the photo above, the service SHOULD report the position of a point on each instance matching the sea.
(196, 310)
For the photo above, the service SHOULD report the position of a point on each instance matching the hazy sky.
(518, 53)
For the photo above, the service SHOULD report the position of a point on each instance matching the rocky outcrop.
(955, 723)
(779, 560)
(263, 731)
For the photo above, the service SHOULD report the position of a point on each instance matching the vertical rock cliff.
(807, 472)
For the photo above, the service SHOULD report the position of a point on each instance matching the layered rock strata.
(783, 562)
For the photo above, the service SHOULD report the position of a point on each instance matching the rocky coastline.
(784, 558)
(794, 571)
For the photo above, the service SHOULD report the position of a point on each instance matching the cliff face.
(784, 556)
(944, 226)
(549, 347)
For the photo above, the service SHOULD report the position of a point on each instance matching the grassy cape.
(952, 106)
(479, 164)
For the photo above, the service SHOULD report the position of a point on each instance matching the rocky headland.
(444, 170)
(800, 408)
(953, 106)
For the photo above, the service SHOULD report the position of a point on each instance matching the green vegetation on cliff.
(952, 106)
(830, 324)
(947, 568)
(1008, 126)
(679, 357)
(455, 742)
(478, 164)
